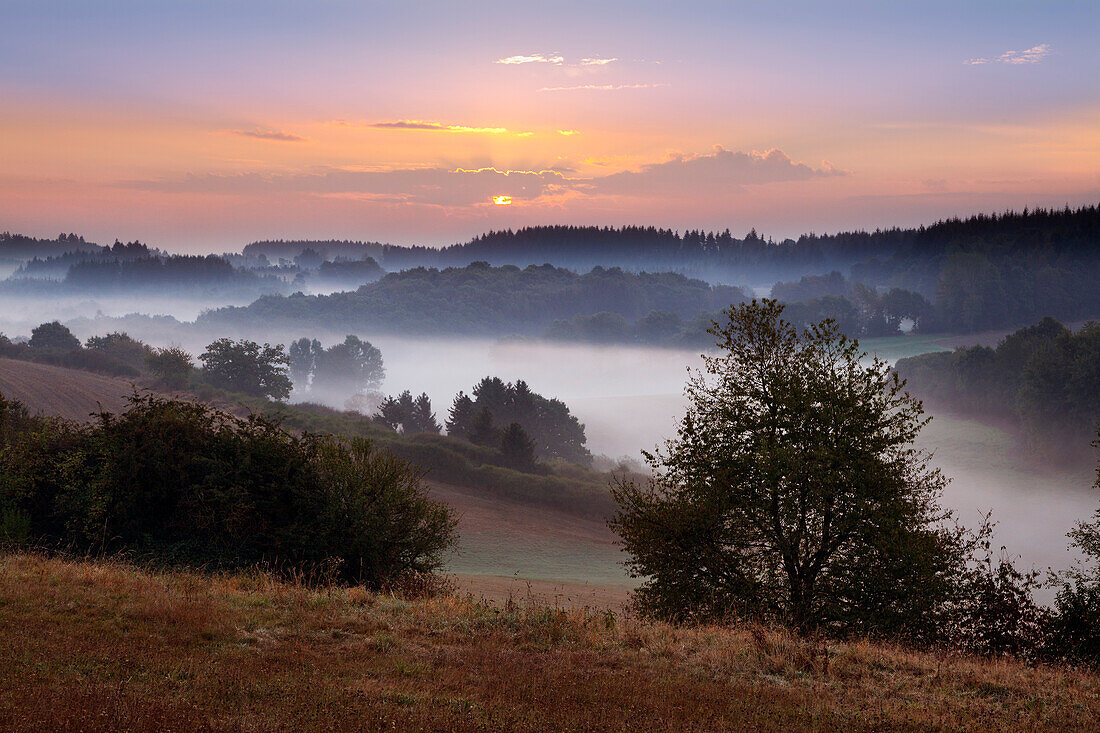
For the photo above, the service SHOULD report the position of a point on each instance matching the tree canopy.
(245, 366)
(792, 490)
(497, 404)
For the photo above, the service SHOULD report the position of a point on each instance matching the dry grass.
(100, 646)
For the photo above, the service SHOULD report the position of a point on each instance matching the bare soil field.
(59, 392)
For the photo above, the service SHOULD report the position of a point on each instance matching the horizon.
(676, 232)
(197, 127)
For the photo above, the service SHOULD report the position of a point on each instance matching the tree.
(461, 416)
(548, 422)
(171, 366)
(518, 449)
(245, 366)
(303, 355)
(354, 365)
(121, 346)
(53, 335)
(792, 490)
(482, 431)
(1076, 634)
(408, 415)
(422, 418)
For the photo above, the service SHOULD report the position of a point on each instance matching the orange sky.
(197, 126)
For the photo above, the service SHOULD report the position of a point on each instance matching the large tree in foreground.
(792, 491)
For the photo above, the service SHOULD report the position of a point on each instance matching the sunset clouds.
(194, 124)
(719, 173)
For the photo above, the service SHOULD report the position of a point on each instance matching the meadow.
(100, 645)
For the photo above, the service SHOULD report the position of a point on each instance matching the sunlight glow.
(502, 200)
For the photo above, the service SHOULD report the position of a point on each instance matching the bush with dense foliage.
(53, 336)
(1076, 628)
(180, 482)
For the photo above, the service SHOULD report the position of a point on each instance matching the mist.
(631, 398)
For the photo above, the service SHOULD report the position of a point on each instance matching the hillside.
(100, 646)
(507, 543)
(62, 392)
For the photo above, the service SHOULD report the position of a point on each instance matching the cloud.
(1032, 55)
(597, 61)
(717, 174)
(276, 135)
(567, 133)
(439, 127)
(601, 87)
(721, 172)
(535, 58)
(433, 186)
(427, 126)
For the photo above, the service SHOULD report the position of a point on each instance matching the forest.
(480, 299)
(1041, 381)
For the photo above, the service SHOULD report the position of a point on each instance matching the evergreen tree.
(482, 431)
(518, 449)
(460, 420)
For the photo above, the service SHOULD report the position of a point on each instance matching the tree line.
(1042, 381)
(524, 429)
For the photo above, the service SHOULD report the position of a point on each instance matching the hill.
(60, 392)
(101, 646)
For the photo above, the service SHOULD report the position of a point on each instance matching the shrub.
(180, 482)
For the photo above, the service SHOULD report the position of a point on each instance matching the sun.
(502, 200)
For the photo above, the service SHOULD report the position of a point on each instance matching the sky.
(201, 126)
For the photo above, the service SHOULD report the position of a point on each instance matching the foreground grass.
(100, 646)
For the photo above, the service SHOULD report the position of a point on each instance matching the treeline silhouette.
(716, 255)
(995, 271)
(133, 266)
(20, 247)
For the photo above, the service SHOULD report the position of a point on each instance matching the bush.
(180, 482)
(171, 366)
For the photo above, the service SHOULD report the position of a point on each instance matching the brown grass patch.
(100, 646)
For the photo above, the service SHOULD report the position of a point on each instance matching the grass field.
(99, 646)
